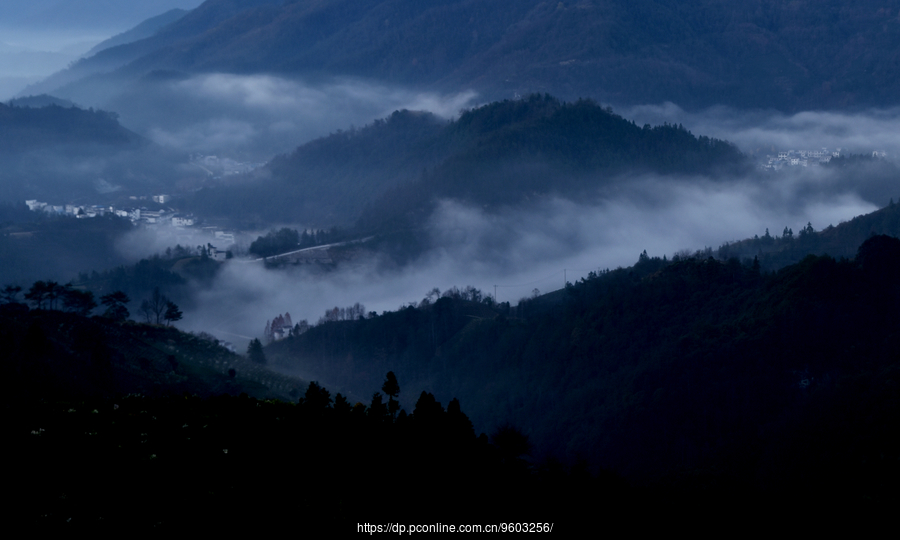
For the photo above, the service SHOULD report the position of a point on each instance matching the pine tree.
(255, 352)
(172, 313)
(392, 389)
(115, 305)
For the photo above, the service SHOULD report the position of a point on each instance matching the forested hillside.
(693, 372)
(25, 128)
(55, 353)
(503, 152)
(108, 415)
(66, 153)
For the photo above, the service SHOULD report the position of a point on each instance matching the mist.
(520, 249)
(517, 249)
(26, 57)
(259, 116)
(770, 131)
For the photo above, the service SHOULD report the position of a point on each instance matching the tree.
(378, 412)
(511, 443)
(255, 352)
(154, 308)
(10, 292)
(317, 398)
(76, 301)
(341, 405)
(38, 294)
(115, 305)
(391, 389)
(172, 313)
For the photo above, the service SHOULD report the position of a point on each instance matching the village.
(804, 158)
(184, 227)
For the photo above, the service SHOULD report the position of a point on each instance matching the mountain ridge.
(758, 55)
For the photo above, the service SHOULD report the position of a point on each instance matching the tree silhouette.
(154, 308)
(317, 398)
(76, 301)
(37, 294)
(115, 305)
(392, 389)
(172, 313)
(511, 443)
(255, 352)
(10, 292)
(378, 412)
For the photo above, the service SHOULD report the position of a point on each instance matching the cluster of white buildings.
(805, 158)
(181, 224)
(800, 158)
(138, 216)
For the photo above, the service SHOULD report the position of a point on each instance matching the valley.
(265, 257)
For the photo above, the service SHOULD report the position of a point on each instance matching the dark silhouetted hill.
(697, 374)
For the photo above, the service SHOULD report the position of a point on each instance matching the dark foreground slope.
(697, 374)
(227, 463)
(124, 426)
(50, 354)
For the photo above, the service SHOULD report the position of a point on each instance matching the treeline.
(285, 240)
(775, 251)
(50, 295)
(281, 326)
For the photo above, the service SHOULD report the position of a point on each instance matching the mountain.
(64, 153)
(95, 15)
(500, 153)
(780, 54)
(141, 31)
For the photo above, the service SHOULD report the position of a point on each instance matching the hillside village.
(805, 158)
(186, 224)
(799, 158)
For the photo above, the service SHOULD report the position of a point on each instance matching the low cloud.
(261, 115)
(767, 131)
(520, 249)
(540, 245)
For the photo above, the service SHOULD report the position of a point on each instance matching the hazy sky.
(40, 37)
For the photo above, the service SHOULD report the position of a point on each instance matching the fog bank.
(521, 249)
(262, 115)
(769, 131)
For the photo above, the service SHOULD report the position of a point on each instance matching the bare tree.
(154, 308)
